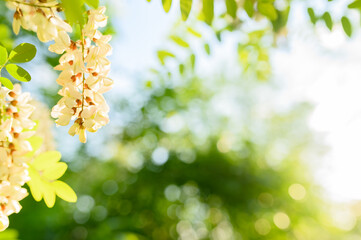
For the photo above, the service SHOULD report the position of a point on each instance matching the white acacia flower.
(42, 20)
(62, 43)
(15, 126)
(10, 196)
(96, 19)
(78, 129)
(84, 78)
(6, 129)
(17, 22)
(84, 68)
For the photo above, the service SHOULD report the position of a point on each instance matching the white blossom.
(15, 126)
(83, 78)
(40, 17)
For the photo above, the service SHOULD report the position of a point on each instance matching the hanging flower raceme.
(15, 126)
(83, 78)
(84, 64)
(39, 16)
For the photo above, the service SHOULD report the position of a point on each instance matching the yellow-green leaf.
(231, 8)
(92, 3)
(185, 6)
(268, 10)
(311, 14)
(328, 20)
(7, 83)
(55, 171)
(166, 5)
(180, 41)
(18, 72)
(162, 55)
(73, 11)
(35, 185)
(347, 27)
(207, 48)
(49, 195)
(9, 234)
(355, 4)
(3, 55)
(181, 69)
(192, 59)
(208, 11)
(35, 142)
(24, 52)
(248, 7)
(45, 160)
(64, 191)
(194, 32)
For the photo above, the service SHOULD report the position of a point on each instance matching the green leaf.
(231, 8)
(9, 234)
(180, 41)
(7, 83)
(208, 11)
(55, 171)
(74, 11)
(312, 15)
(3, 56)
(327, 18)
(93, 3)
(267, 9)
(194, 32)
(346, 24)
(281, 20)
(181, 69)
(162, 55)
(355, 4)
(49, 194)
(46, 160)
(64, 191)
(248, 7)
(219, 35)
(35, 184)
(18, 72)
(24, 52)
(192, 59)
(207, 48)
(166, 5)
(35, 142)
(185, 7)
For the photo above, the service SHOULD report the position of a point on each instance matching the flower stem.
(83, 50)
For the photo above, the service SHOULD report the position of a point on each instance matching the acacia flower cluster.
(84, 64)
(83, 78)
(15, 129)
(39, 16)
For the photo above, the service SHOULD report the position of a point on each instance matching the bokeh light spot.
(281, 220)
(172, 193)
(160, 155)
(262, 226)
(297, 191)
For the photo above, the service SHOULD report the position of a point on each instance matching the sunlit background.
(314, 65)
(252, 140)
